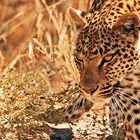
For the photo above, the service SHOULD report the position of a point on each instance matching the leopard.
(107, 56)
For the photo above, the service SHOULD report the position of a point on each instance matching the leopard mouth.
(86, 95)
(93, 91)
(96, 94)
(106, 94)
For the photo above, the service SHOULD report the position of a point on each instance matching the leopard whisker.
(77, 103)
(74, 106)
(65, 110)
(125, 88)
(130, 98)
(117, 103)
(69, 95)
(119, 117)
(112, 105)
(69, 92)
(124, 106)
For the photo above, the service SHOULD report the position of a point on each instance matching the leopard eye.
(79, 63)
(108, 57)
(78, 59)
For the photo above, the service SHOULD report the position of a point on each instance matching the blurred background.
(30, 29)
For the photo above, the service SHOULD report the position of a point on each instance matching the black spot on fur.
(120, 5)
(125, 56)
(136, 111)
(128, 94)
(129, 118)
(134, 101)
(131, 138)
(101, 51)
(137, 133)
(137, 121)
(128, 46)
(128, 6)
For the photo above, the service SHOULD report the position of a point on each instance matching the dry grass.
(36, 63)
(27, 103)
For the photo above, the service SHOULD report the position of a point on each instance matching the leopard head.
(107, 47)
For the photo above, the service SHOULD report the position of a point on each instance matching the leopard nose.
(89, 88)
(89, 81)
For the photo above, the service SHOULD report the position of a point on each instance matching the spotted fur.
(107, 57)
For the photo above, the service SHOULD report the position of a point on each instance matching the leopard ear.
(128, 25)
(78, 17)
